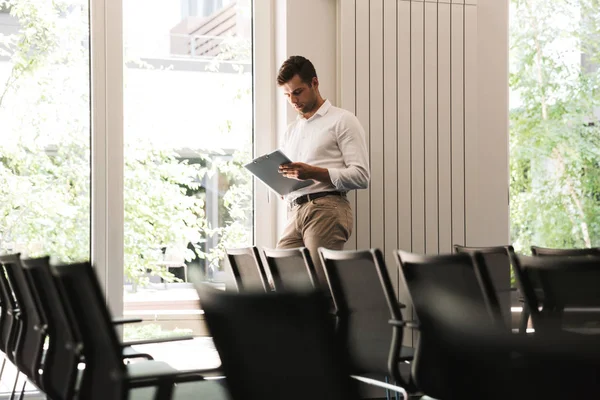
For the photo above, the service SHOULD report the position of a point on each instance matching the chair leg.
(524, 319)
(387, 391)
(14, 389)
(2, 368)
(23, 389)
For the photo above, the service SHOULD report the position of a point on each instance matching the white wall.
(429, 82)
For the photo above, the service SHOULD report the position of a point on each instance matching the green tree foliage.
(45, 157)
(555, 130)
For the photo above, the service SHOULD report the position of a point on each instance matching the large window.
(45, 129)
(187, 134)
(555, 131)
(187, 131)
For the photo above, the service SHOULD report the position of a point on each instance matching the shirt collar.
(320, 112)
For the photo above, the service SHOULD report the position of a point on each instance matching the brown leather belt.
(311, 196)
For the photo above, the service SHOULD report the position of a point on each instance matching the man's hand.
(296, 170)
(302, 171)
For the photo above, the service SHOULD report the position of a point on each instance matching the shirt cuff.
(334, 175)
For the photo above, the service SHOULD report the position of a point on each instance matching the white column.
(107, 147)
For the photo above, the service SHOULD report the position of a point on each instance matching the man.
(327, 145)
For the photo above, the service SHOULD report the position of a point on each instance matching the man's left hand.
(302, 172)
(297, 170)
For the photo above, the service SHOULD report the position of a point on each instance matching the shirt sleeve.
(351, 141)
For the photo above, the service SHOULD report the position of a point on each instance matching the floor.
(198, 353)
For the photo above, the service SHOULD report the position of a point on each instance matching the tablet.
(266, 169)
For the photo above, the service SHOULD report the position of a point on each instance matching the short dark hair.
(296, 65)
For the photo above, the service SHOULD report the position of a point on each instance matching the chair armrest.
(157, 340)
(153, 372)
(404, 324)
(122, 321)
(129, 352)
(381, 384)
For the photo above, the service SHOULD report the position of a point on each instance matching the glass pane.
(45, 134)
(44, 131)
(188, 132)
(554, 129)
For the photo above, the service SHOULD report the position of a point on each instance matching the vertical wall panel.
(409, 72)
(347, 31)
(444, 148)
(418, 126)
(403, 92)
(472, 202)
(458, 114)
(413, 83)
(363, 209)
(376, 118)
(390, 137)
(431, 129)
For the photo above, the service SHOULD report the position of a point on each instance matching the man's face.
(302, 97)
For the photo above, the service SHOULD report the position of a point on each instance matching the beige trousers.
(323, 222)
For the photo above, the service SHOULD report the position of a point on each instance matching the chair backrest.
(247, 269)
(30, 342)
(290, 269)
(545, 251)
(277, 345)
(363, 298)
(429, 280)
(462, 274)
(85, 305)
(64, 346)
(497, 264)
(10, 324)
(565, 282)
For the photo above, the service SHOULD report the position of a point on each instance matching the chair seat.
(145, 370)
(130, 352)
(210, 389)
(139, 372)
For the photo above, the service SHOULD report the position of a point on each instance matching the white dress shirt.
(333, 139)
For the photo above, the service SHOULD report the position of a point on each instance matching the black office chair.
(548, 252)
(29, 344)
(480, 361)
(435, 370)
(105, 375)
(363, 298)
(247, 270)
(11, 327)
(277, 345)
(290, 269)
(566, 283)
(498, 266)
(63, 353)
